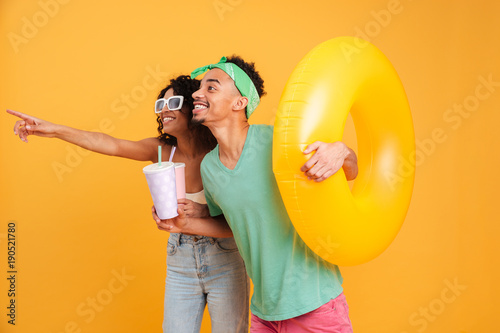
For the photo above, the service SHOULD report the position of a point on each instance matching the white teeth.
(168, 118)
(199, 106)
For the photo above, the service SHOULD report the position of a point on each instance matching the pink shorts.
(332, 317)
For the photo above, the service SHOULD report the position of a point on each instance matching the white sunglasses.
(173, 103)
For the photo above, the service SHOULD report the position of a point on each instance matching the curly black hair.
(249, 68)
(185, 86)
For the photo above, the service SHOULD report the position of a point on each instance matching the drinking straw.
(159, 156)
(172, 154)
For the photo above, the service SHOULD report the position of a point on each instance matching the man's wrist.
(186, 226)
(206, 212)
(345, 150)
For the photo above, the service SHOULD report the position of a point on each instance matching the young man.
(294, 289)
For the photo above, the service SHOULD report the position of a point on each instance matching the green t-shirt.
(289, 279)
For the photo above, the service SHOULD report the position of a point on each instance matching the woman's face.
(174, 122)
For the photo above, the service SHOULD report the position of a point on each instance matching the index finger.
(310, 163)
(19, 114)
(153, 212)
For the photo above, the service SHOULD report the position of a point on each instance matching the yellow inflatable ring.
(339, 76)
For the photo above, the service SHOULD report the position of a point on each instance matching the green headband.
(241, 80)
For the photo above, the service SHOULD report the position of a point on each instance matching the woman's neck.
(186, 145)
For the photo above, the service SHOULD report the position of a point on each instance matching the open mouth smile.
(167, 119)
(199, 107)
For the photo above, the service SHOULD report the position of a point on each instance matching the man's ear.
(240, 104)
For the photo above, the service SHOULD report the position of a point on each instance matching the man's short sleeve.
(212, 206)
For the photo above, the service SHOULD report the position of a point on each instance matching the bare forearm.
(94, 141)
(102, 143)
(208, 226)
(350, 165)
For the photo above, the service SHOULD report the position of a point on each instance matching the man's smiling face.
(216, 97)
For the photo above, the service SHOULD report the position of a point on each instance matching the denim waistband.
(191, 239)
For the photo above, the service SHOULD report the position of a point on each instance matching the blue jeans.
(200, 271)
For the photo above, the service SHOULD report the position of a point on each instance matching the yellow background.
(78, 230)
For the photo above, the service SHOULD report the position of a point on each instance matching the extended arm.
(143, 150)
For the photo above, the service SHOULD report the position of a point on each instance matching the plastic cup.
(161, 182)
(180, 180)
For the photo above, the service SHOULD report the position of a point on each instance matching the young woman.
(201, 269)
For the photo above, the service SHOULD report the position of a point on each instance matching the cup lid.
(155, 167)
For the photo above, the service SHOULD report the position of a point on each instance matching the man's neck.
(231, 139)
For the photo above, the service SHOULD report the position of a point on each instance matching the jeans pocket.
(171, 248)
(226, 244)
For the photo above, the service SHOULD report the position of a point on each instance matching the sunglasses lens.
(159, 105)
(174, 103)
